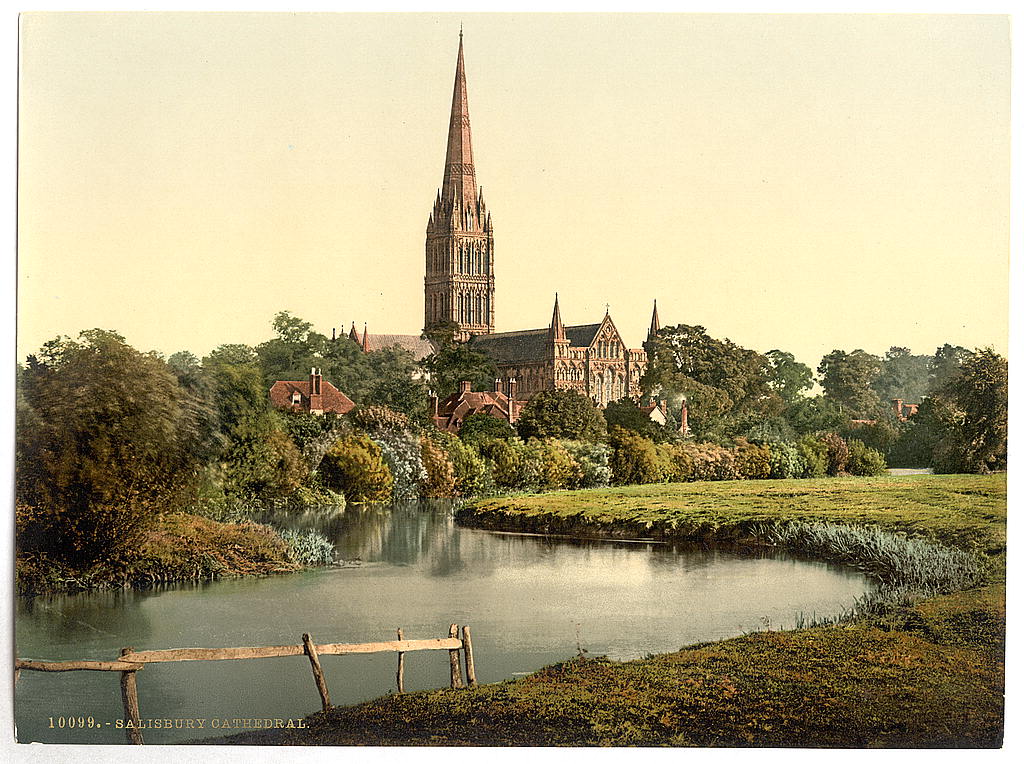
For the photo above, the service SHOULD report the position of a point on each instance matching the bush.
(558, 469)
(355, 467)
(837, 453)
(784, 461)
(440, 473)
(379, 419)
(675, 461)
(478, 427)
(592, 459)
(634, 458)
(401, 452)
(513, 465)
(814, 454)
(468, 467)
(713, 462)
(865, 461)
(752, 462)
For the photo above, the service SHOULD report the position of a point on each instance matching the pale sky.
(800, 182)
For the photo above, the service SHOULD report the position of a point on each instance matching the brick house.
(312, 396)
(449, 414)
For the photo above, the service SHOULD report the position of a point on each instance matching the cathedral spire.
(459, 173)
(655, 323)
(556, 331)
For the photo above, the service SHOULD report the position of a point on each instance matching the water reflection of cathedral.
(459, 288)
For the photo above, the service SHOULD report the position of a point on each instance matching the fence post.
(318, 673)
(400, 674)
(453, 656)
(467, 650)
(130, 698)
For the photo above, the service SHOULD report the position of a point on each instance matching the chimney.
(663, 405)
(433, 406)
(334, 334)
(684, 426)
(512, 384)
(465, 386)
(897, 406)
(316, 405)
(497, 384)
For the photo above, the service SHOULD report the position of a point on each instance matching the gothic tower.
(459, 282)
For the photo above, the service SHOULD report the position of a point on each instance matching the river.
(530, 602)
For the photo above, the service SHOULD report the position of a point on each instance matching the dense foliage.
(109, 438)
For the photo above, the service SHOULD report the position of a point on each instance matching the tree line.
(108, 437)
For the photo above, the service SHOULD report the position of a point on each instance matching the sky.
(787, 181)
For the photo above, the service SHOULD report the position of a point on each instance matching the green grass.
(962, 511)
(913, 674)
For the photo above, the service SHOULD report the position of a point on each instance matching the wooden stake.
(318, 673)
(453, 656)
(467, 650)
(400, 674)
(130, 698)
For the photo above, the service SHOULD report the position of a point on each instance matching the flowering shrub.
(401, 452)
(752, 462)
(712, 462)
(837, 454)
(378, 419)
(784, 461)
(355, 467)
(592, 459)
(675, 462)
(469, 469)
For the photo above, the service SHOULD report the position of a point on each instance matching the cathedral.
(458, 289)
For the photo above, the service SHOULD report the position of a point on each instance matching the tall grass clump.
(905, 567)
(308, 547)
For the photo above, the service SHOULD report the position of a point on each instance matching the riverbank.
(924, 675)
(178, 547)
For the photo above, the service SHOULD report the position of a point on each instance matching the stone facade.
(591, 359)
(459, 282)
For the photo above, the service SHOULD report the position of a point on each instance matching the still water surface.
(530, 602)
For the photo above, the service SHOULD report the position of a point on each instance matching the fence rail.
(129, 663)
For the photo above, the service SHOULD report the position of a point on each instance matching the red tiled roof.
(453, 410)
(331, 398)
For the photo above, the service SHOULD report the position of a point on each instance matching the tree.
(455, 362)
(481, 426)
(809, 415)
(719, 378)
(788, 377)
(847, 379)
(945, 365)
(902, 375)
(110, 446)
(627, 415)
(561, 414)
(976, 438)
(397, 384)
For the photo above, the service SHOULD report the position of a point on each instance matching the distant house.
(313, 396)
(658, 413)
(450, 413)
(903, 410)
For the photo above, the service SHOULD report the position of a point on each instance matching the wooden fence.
(131, 662)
